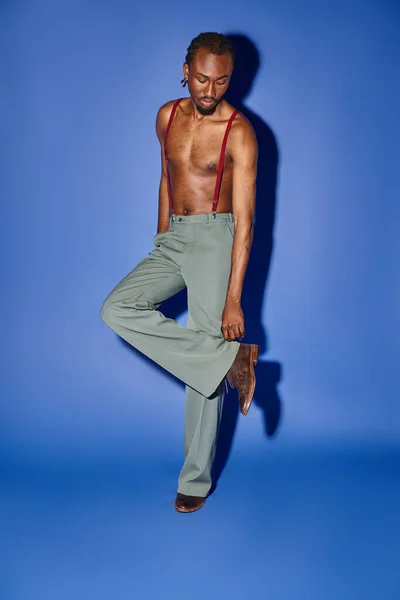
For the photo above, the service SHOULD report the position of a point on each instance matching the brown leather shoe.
(241, 375)
(187, 504)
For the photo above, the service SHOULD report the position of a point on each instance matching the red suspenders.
(221, 163)
(221, 160)
(171, 205)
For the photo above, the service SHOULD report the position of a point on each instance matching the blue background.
(92, 433)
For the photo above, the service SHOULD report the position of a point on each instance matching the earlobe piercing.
(184, 82)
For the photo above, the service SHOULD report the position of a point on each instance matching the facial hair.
(207, 111)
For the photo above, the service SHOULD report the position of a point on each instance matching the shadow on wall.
(268, 372)
(254, 294)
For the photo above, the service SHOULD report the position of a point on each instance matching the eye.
(201, 80)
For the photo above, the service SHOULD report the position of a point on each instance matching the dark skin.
(193, 151)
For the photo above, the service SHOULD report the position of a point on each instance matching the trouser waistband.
(203, 218)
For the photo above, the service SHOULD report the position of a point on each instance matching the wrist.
(232, 301)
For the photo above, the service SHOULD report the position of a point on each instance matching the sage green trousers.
(195, 253)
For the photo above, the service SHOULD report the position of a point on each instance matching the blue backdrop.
(82, 85)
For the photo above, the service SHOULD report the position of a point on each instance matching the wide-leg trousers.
(195, 253)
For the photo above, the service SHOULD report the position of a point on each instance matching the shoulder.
(242, 139)
(242, 131)
(163, 115)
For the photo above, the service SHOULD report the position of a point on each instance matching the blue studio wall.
(83, 82)
(91, 433)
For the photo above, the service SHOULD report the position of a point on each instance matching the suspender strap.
(171, 204)
(221, 163)
(221, 159)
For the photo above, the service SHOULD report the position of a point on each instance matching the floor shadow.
(254, 294)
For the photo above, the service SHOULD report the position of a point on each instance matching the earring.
(184, 82)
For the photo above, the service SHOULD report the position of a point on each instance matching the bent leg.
(131, 311)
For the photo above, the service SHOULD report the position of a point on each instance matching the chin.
(206, 111)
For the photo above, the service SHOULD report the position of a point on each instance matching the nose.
(210, 90)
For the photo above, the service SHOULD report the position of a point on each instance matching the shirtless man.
(205, 228)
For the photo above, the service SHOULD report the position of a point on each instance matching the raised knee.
(108, 312)
(113, 308)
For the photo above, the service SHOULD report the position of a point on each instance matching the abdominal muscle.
(193, 194)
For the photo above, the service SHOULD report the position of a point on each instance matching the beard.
(206, 111)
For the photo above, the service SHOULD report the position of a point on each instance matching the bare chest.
(197, 148)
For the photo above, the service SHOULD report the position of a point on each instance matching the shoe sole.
(253, 361)
(189, 510)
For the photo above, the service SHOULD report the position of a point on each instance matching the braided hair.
(216, 43)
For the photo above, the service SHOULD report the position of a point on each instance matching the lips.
(207, 102)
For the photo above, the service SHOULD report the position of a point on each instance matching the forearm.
(163, 206)
(242, 242)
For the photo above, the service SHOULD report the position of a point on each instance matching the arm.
(163, 200)
(244, 153)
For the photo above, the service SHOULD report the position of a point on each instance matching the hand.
(232, 322)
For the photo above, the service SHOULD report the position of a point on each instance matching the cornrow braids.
(216, 43)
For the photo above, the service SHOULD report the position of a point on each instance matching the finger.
(237, 332)
(232, 333)
(225, 332)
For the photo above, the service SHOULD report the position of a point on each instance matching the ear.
(185, 71)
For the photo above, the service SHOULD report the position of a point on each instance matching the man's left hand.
(232, 322)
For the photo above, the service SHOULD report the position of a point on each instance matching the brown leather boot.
(187, 504)
(241, 375)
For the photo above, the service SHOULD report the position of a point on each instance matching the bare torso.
(193, 152)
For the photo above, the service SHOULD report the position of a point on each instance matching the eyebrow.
(207, 77)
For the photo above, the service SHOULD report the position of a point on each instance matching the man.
(205, 229)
